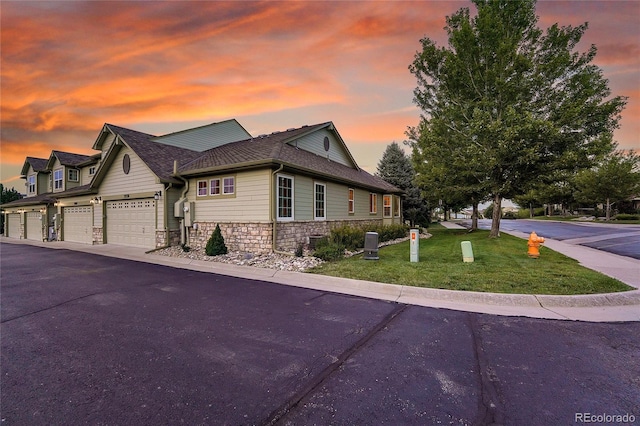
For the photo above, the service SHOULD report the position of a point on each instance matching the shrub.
(510, 215)
(348, 236)
(299, 250)
(329, 251)
(626, 216)
(215, 245)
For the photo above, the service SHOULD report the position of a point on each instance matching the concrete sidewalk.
(596, 308)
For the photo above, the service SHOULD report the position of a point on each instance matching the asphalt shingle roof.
(38, 164)
(71, 159)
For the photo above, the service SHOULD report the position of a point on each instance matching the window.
(214, 189)
(319, 204)
(31, 184)
(386, 205)
(352, 204)
(373, 203)
(285, 198)
(92, 170)
(73, 175)
(229, 186)
(202, 188)
(396, 206)
(57, 179)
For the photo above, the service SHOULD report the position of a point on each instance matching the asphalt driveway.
(93, 340)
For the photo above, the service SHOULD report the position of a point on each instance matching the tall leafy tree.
(615, 179)
(517, 102)
(396, 168)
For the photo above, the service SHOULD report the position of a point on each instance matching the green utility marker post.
(467, 251)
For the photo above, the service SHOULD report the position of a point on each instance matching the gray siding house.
(267, 193)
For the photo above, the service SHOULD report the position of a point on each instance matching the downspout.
(182, 196)
(167, 243)
(272, 207)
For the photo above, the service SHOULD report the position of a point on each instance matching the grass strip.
(501, 266)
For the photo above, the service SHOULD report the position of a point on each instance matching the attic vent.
(327, 144)
(290, 129)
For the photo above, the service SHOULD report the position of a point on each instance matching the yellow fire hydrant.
(534, 245)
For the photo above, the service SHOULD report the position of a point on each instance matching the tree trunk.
(497, 215)
(530, 210)
(608, 209)
(474, 216)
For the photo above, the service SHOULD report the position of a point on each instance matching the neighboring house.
(267, 193)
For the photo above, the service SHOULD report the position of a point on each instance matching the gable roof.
(158, 157)
(274, 150)
(38, 165)
(67, 159)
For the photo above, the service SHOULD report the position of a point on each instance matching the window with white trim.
(229, 185)
(396, 206)
(58, 179)
(352, 202)
(373, 203)
(202, 188)
(92, 170)
(319, 201)
(214, 188)
(73, 175)
(31, 184)
(285, 198)
(386, 205)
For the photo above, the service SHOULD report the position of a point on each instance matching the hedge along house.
(267, 193)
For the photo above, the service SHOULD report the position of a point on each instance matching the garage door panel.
(34, 226)
(132, 223)
(13, 224)
(78, 224)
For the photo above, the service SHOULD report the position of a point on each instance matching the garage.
(34, 226)
(78, 224)
(132, 223)
(13, 225)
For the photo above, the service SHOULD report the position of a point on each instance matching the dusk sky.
(158, 67)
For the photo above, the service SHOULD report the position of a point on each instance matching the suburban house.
(268, 193)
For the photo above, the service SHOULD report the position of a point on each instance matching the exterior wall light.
(157, 195)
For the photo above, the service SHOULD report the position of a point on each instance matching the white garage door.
(78, 224)
(34, 226)
(132, 223)
(13, 224)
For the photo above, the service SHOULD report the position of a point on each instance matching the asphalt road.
(95, 340)
(623, 240)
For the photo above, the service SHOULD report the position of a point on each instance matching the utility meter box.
(178, 208)
(371, 246)
(414, 245)
(189, 213)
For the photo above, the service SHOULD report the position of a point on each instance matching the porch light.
(157, 195)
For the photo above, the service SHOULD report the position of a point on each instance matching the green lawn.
(501, 266)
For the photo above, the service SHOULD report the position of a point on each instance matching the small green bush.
(348, 236)
(215, 245)
(329, 252)
(627, 216)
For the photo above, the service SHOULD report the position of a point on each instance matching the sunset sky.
(158, 67)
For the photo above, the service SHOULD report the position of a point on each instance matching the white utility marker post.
(415, 244)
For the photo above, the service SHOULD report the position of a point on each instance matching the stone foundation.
(291, 234)
(98, 236)
(257, 238)
(253, 238)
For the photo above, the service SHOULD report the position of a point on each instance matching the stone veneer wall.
(291, 234)
(247, 237)
(97, 235)
(257, 238)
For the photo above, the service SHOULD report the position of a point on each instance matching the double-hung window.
(386, 205)
(229, 185)
(214, 188)
(58, 179)
(373, 203)
(352, 204)
(73, 175)
(285, 198)
(319, 202)
(396, 206)
(31, 182)
(202, 188)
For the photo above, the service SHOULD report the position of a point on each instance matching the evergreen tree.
(215, 245)
(395, 167)
(6, 196)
